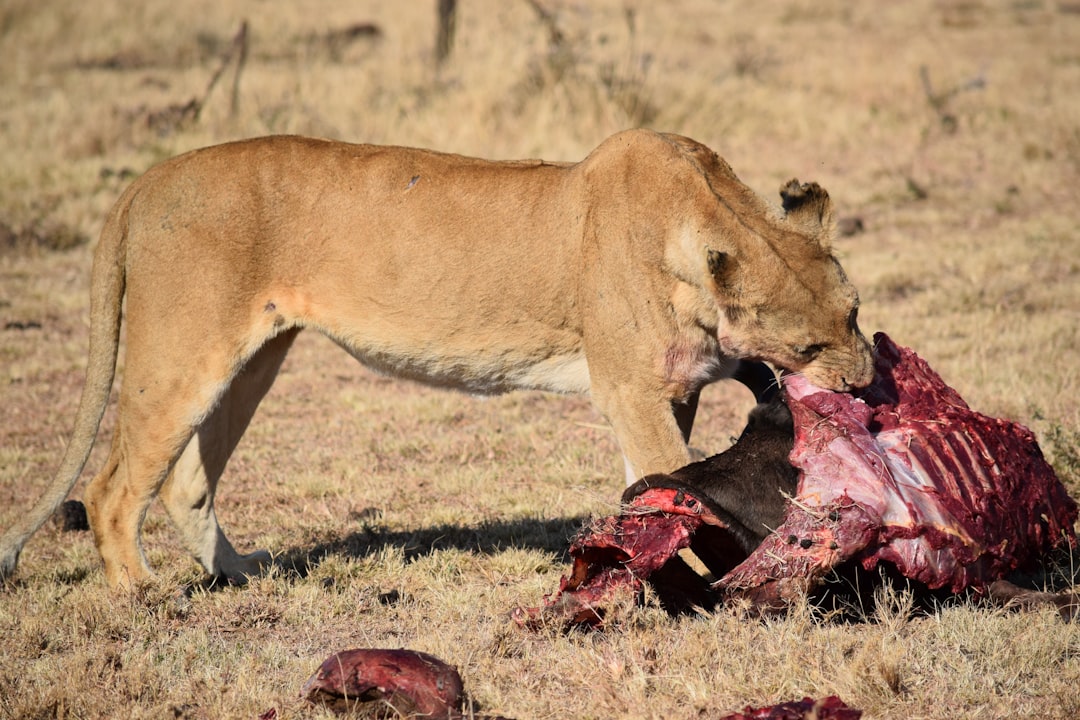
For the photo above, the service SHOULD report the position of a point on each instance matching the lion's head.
(781, 293)
(784, 297)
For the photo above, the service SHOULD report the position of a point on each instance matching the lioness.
(638, 275)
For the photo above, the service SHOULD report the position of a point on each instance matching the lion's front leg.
(684, 414)
(646, 427)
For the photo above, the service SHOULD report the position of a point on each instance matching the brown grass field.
(408, 517)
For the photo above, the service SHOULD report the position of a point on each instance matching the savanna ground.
(409, 517)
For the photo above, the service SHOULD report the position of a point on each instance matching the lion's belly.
(563, 374)
(486, 373)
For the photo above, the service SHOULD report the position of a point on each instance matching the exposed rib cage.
(906, 472)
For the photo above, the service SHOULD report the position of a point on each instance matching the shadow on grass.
(549, 535)
(849, 595)
(852, 594)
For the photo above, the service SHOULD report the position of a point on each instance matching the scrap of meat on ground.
(391, 684)
(903, 472)
(405, 682)
(830, 708)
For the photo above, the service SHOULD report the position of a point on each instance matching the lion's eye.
(808, 352)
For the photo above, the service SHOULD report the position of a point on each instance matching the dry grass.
(419, 519)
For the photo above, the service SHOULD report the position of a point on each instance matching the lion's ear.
(807, 205)
(721, 267)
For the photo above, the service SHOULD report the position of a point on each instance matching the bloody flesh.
(902, 472)
(905, 472)
(614, 556)
(830, 708)
(403, 681)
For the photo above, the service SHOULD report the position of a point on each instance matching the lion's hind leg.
(145, 445)
(188, 492)
(164, 404)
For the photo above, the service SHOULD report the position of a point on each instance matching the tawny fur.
(638, 275)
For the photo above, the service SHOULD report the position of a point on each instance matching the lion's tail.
(106, 295)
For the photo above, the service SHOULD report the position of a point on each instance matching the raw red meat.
(390, 684)
(719, 508)
(905, 472)
(405, 682)
(614, 556)
(902, 472)
(830, 708)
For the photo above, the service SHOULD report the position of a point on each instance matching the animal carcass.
(901, 472)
